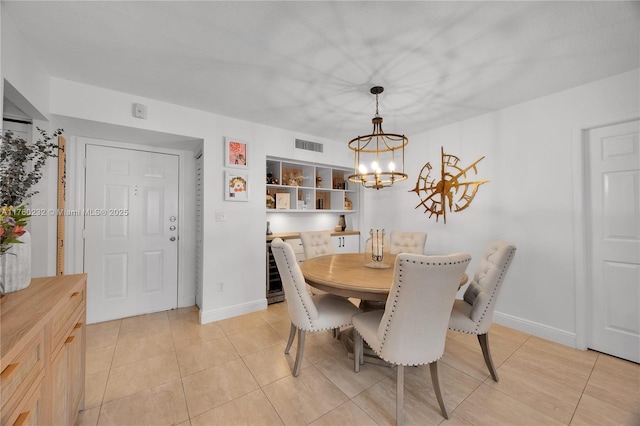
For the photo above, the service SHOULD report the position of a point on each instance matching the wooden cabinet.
(42, 362)
(310, 187)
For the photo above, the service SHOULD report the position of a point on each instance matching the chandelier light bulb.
(392, 166)
(363, 169)
(374, 165)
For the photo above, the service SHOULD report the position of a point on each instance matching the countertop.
(292, 235)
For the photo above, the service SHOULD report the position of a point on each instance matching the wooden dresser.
(42, 348)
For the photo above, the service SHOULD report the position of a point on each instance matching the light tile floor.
(165, 368)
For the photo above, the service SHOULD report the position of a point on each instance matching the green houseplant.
(21, 167)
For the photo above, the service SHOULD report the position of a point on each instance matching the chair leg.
(357, 350)
(399, 394)
(296, 367)
(292, 334)
(436, 387)
(484, 344)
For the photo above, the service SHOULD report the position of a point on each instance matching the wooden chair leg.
(399, 393)
(296, 367)
(292, 334)
(484, 344)
(436, 387)
(357, 350)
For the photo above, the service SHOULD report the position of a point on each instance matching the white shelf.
(332, 196)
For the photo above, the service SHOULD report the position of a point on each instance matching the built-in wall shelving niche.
(309, 188)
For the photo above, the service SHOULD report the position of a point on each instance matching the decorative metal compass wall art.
(446, 190)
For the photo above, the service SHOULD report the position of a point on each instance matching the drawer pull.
(75, 293)
(22, 418)
(78, 325)
(7, 372)
(69, 339)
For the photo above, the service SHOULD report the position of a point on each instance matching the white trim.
(581, 232)
(536, 329)
(74, 261)
(232, 311)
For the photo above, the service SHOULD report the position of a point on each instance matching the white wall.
(27, 85)
(22, 69)
(234, 250)
(531, 157)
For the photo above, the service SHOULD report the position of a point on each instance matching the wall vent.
(309, 146)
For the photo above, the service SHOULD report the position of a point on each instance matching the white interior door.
(614, 166)
(131, 232)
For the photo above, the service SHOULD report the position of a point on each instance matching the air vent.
(309, 146)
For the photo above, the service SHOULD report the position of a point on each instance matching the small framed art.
(236, 153)
(283, 201)
(236, 186)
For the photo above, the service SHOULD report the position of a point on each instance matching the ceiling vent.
(309, 146)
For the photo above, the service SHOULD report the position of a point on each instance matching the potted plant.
(21, 167)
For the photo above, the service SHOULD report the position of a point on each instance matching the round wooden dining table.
(346, 274)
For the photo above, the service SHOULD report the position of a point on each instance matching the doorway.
(613, 229)
(130, 232)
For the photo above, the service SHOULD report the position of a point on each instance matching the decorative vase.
(374, 250)
(15, 266)
(342, 223)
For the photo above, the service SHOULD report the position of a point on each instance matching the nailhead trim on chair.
(296, 287)
(491, 297)
(395, 299)
(313, 329)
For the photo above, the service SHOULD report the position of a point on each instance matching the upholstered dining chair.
(308, 314)
(412, 328)
(408, 242)
(474, 312)
(316, 243)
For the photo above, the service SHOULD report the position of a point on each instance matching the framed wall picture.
(236, 186)
(235, 153)
(283, 201)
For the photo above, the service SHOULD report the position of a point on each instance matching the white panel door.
(615, 240)
(131, 232)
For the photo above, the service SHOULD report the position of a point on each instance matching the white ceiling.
(308, 66)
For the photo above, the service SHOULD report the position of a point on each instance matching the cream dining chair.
(308, 314)
(316, 243)
(408, 242)
(474, 312)
(412, 328)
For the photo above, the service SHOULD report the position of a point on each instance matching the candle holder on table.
(374, 250)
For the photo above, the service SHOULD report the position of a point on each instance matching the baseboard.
(534, 328)
(232, 311)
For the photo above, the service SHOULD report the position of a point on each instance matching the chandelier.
(375, 164)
